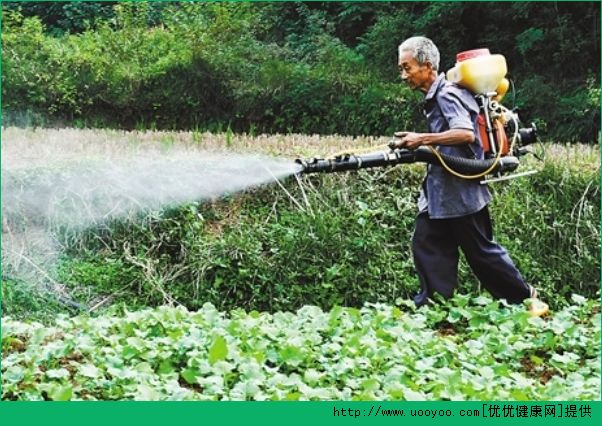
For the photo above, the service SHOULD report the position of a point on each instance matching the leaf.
(478, 321)
(481, 300)
(223, 367)
(190, 375)
(291, 355)
(143, 367)
(165, 367)
(565, 358)
(411, 395)
(136, 343)
(486, 372)
(218, 350)
(129, 352)
(146, 393)
(89, 370)
(370, 385)
(312, 376)
(579, 300)
(520, 394)
(454, 315)
(59, 373)
(292, 396)
(60, 392)
(259, 356)
(156, 330)
(521, 381)
(13, 374)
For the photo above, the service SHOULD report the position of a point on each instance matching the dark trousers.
(435, 247)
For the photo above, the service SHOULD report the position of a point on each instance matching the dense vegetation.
(468, 349)
(325, 240)
(285, 67)
(299, 289)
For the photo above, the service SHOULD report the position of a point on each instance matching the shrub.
(347, 243)
(202, 70)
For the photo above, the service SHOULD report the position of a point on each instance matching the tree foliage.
(327, 67)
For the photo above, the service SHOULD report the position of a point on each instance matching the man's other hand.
(410, 140)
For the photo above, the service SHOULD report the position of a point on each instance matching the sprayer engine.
(500, 130)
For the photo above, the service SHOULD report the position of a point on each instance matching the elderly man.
(453, 212)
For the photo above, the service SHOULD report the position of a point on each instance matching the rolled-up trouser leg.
(435, 258)
(488, 260)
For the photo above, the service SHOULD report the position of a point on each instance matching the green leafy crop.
(465, 349)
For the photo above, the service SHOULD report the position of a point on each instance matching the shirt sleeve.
(455, 112)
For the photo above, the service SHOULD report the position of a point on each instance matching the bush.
(348, 243)
(285, 68)
(549, 222)
(346, 249)
(202, 71)
(21, 299)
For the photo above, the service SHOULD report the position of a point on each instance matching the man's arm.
(413, 140)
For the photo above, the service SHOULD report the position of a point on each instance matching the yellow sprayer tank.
(480, 72)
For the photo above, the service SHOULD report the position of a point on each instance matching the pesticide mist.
(70, 179)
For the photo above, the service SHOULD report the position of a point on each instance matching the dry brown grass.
(42, 147)
(39, 147)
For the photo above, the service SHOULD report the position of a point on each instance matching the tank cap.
(469, 54)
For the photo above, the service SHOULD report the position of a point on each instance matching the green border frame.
(292, 413)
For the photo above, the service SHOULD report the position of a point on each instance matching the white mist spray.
(61, 181)
(91, 191)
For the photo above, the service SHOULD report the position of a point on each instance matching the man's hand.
(408, 140)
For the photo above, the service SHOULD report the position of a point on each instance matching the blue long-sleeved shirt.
(449, 106)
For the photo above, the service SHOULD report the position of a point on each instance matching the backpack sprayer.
(503, 139)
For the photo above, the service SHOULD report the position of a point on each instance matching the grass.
(323, 240)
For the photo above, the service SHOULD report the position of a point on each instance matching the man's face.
(415, 75)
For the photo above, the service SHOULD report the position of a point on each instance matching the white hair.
(423, 50)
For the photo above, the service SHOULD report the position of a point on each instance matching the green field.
(464, 350)
(297, 290)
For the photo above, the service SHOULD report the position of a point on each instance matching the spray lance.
(504, 140)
